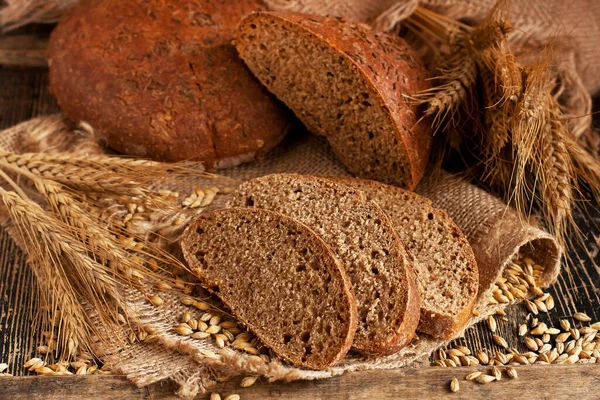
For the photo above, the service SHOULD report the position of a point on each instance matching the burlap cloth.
(495, 232)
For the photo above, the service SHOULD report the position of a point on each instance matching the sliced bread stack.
(347, 82)
(363, 238)
(302, 260)
(279, 278)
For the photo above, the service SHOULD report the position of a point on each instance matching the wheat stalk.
(79, 252)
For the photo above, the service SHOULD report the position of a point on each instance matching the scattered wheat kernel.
(248, 381)
(531, 344)
(545, 348)
(214, 329)
(522, 329)
(565, 325)
(483, 357)
(215, 396)
(454, 385)
(512, 373)
(185, 317)
(232, 397)
(253, 350)
(227, 334)
(550, 303)
(440, 363)
(596, 326)
(206, 317)
(163, 286)
(3, 367)
(183, 330)
(540, 329)
(500, 341)
(193, 323)
(200, 335)
(581, 317)
(187, 301)
(472, 375)
(215, 320)
(484, 379)
(497, 373)
(219, 342)
(531, 307)
(541, 306)
(156, 300)
(228, 324)
(491, 323)
(201, 305)
(441, 354)
(202, 326)
(463, 349)
(572, 359)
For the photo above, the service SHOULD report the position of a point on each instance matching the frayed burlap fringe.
(495, 232)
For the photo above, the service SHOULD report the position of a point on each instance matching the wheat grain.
(454, 385)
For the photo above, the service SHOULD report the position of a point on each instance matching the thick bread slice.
(445, 265)
(362, 236)
(347, 82)
(279, 278)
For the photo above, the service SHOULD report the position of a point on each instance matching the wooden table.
(24, 94)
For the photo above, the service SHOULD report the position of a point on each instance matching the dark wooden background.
(24, 94)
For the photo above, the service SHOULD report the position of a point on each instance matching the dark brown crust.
(329, 260)
(439, 326)
(387, 62)
(160, 79)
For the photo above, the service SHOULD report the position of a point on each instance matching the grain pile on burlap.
(495, 232)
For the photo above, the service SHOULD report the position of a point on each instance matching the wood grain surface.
(534, 382)
(24, 94)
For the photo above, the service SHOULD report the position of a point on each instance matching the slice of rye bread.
(279, 278)
(362, 236)
(347, 82)
(445, 265)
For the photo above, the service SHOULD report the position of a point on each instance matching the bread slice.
(445, 265)
(347, 82)
(363, 238)
(279, 278)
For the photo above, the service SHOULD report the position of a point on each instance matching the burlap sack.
(495, 232)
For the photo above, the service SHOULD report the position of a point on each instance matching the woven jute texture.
(495, 232)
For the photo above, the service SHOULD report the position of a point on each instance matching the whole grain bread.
(160, 79)
(347, 82)
(445, 265)
(278, 278)
(363, 238)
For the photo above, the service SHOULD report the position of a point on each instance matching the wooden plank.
(534, 382)
(23, 51)
(23, 94)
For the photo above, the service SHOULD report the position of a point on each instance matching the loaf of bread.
(363, 238)
(348, 83)
(445, 265)
(279, 279)
(160, 79)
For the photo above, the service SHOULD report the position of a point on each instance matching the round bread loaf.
(160, 79)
